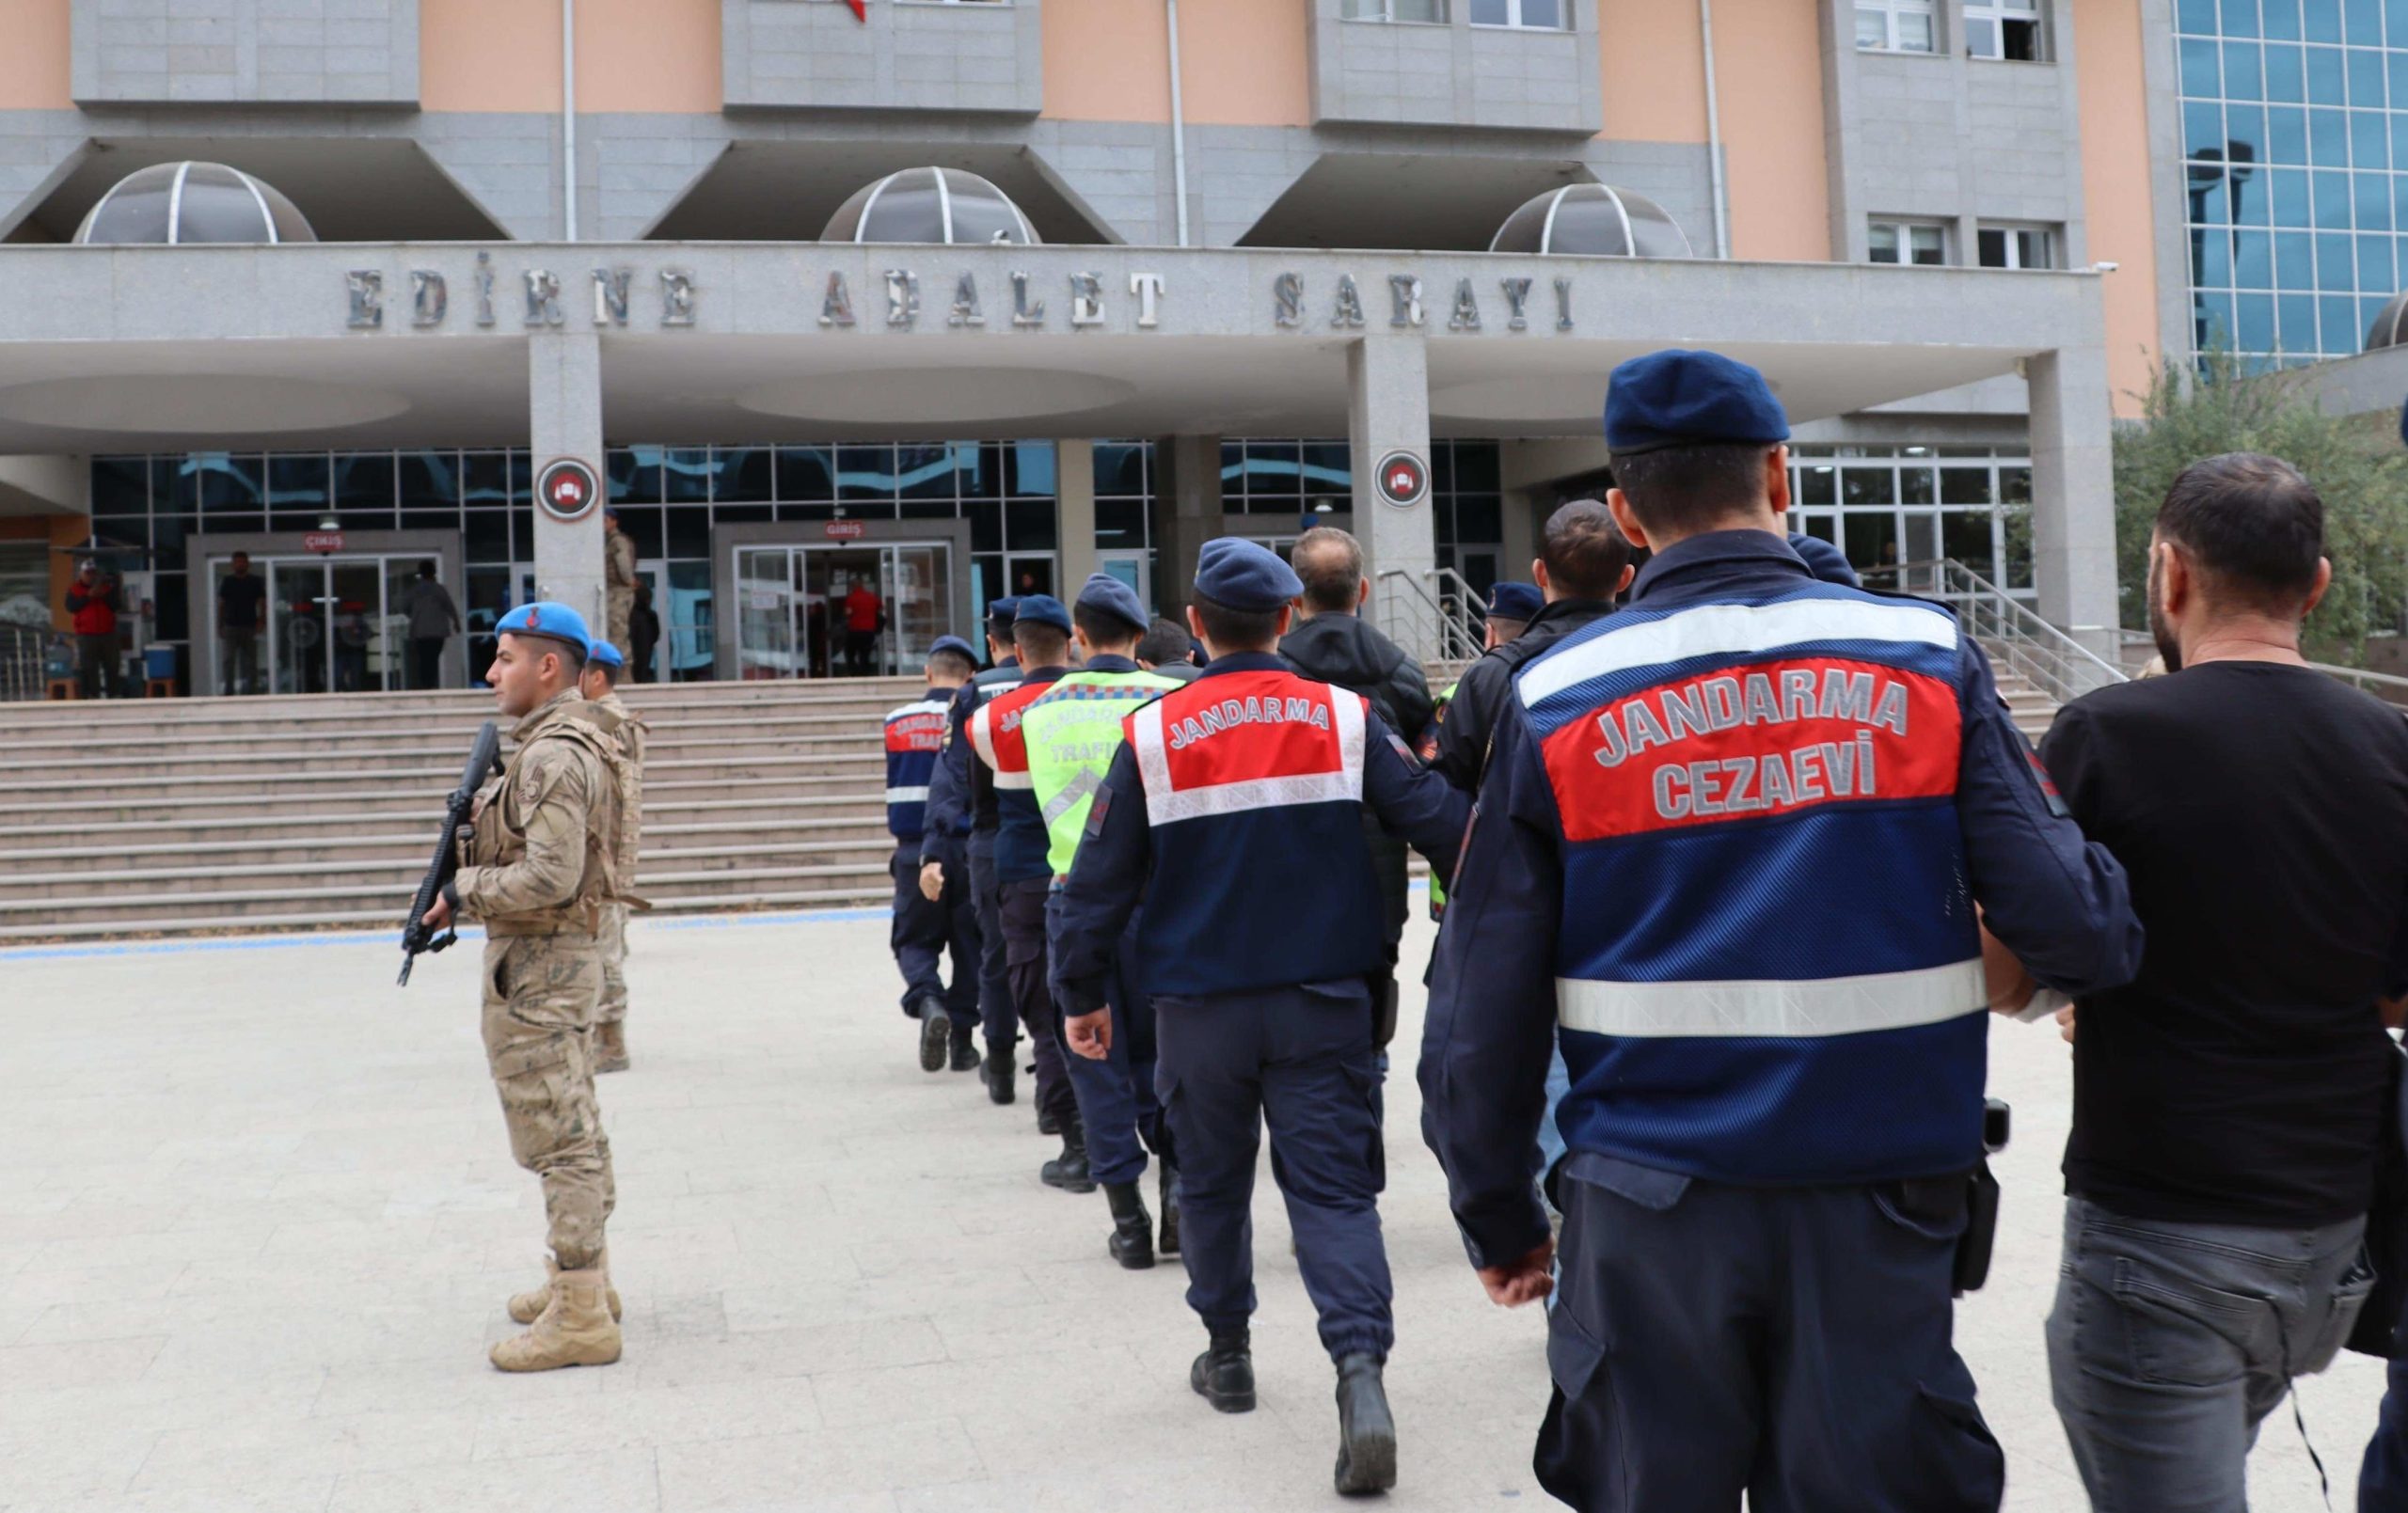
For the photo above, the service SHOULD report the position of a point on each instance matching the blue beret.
(1040, 609)
(1002, 609)
(606, 654)
(1244, 574)
(1676, 399)
(1823, 560)
(1108, 593)
(1514, 601)
(955, 644)
(557, 621)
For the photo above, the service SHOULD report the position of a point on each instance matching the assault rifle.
(483, 758)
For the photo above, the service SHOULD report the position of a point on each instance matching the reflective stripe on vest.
(1246, 741)
(997, 739)
(1823, 1006)
(1071, 732)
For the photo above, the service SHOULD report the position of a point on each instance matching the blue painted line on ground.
(350, 938)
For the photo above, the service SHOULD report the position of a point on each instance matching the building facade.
(1244, 282)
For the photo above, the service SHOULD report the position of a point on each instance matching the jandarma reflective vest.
(914, 736)
(1071, 732)
(1712, 766)
(1253, 787)
(995, 734)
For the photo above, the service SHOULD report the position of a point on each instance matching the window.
(1428, 10)
(1541, 15)
(1895, 26)
(2017, 246)
(2006, 29)
(1924, 243)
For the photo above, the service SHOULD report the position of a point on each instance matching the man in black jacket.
(1584, 563)
(1336, 645)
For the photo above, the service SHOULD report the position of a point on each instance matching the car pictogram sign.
(568, 489)
(1402, 480)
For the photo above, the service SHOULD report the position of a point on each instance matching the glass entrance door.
(335, 624)
(838, 611)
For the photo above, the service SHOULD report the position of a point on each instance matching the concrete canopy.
(131, 348)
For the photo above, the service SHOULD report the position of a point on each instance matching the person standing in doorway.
(864, 617)
(242, 614)
(93, 604)
(619, 575)
(433, 619)
(643, 634)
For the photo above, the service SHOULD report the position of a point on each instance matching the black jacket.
(1481, 693)
(1346, 651)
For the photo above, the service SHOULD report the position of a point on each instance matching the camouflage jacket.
(542, 858)
(619, 561)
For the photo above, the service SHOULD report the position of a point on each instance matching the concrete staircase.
(134, 819)
(129, 818)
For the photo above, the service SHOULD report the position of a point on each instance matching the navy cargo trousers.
(1115, 1096)
(1300, 1060)
(996, 1011)
(925, 931)
(1791, 1344)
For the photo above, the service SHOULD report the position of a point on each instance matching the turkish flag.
(859, 14)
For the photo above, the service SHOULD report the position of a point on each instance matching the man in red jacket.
(92, 604)
(864, 617)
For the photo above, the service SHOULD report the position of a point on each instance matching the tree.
(2357, 463)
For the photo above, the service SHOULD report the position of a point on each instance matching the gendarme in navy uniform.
(1729, 852)
(925, 929)
(959, 839)
(1242, 793)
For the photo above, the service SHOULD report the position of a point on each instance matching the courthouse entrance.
(850, 606)
(336, 620)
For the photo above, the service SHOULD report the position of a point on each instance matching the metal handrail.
(1426, 624)
(23, 652)
(2015, 633)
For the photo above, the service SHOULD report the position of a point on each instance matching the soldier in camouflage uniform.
(619, 575)
(538, 869)
(600, 685)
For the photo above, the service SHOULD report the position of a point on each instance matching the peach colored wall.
(2115, 188)
(1109, 60)
(35, 72)
(1241, 62)
(489, 55)
(648, 55)
(1651, 64)
(1771, 94)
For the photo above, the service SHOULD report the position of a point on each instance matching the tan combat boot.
(574, 1329)
(610, 1046)
(527, 1307)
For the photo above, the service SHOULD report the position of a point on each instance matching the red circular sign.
(1402, 480)
(568, 489)
(322, 541)
(847, 531)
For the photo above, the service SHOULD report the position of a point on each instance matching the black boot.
(1046, 1123)
(936, 1030)
(1224, 1375)
(998, 1073)
(1366, 1429)
(1168, 1244)
(1132, 1228)
(1069, 1171)
(965, 1049)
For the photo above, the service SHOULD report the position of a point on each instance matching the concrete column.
(1187, 514)
(564, 419)
(2073, 494)
(1388, 410)
(1074, 495)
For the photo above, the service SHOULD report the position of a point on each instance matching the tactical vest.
(1768, 968)
(915, 733)
(498, 826)
(1071, 732)
(1253, 787)
(1001, 747)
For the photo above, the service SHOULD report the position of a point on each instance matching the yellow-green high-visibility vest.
(1073, 730)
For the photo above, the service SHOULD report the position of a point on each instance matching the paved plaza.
(257, 1220)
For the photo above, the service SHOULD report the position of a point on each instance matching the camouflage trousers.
(622, 606)
(541, 994)
(614, 964)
